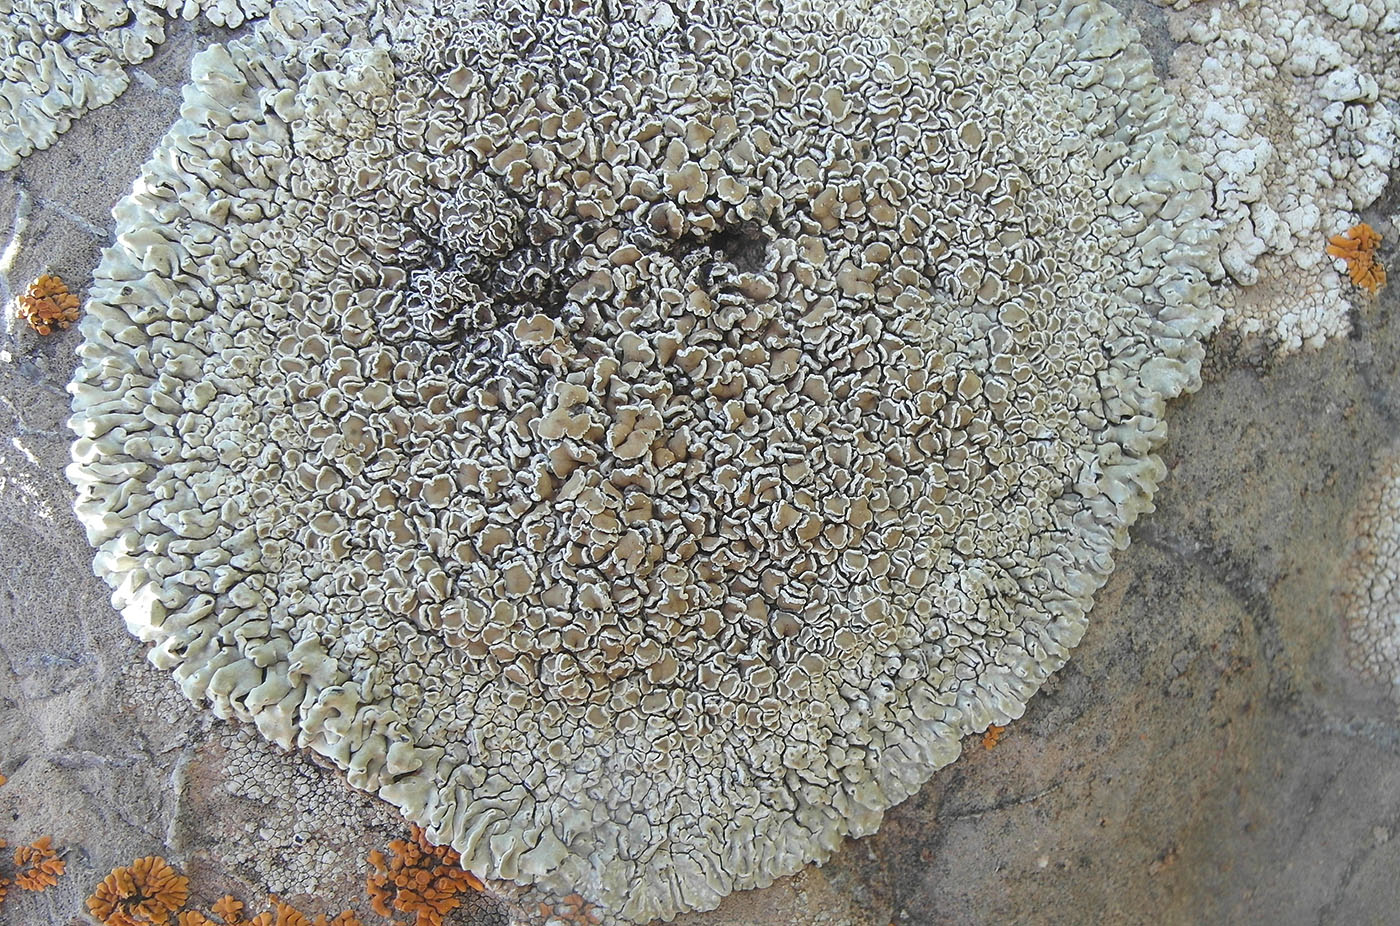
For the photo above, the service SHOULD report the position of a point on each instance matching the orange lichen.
(573, 910)
(228, 910)
(47, 304)
(37, 865)
(149, 892)
(284, 914)
(143, 894)
(345, 918)
(992, 736)
(1357, 246)
(423, 879)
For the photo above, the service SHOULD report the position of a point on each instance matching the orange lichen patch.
(142, 894)
(47, 304)
(574, 910)
(992, 736)
(284, 914)
(37, 865)
(3, 779)
(228, 910)
(422, 879)
(4, 889)
(1357, 246)
(120, 901)
(345, 918)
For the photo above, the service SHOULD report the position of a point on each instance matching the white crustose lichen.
(1293, 105)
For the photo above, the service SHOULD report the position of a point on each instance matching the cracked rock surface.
(1208, 753)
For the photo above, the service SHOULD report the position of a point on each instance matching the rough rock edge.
(1122, 485)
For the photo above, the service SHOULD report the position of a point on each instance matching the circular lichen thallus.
(639, 442)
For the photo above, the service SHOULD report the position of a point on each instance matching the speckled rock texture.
(1208, 754)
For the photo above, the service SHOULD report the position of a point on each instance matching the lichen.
(37, 865)
(639, 444)
(144, 893)
(419, 878)
(47, 304)
(228, 908)
(60, 60)
(290, 804)
(1369, 594)
(149, 892)
(1357, 247)
(573, 910)
(1294, 105)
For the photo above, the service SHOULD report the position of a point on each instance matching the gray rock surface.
(1206, 756)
